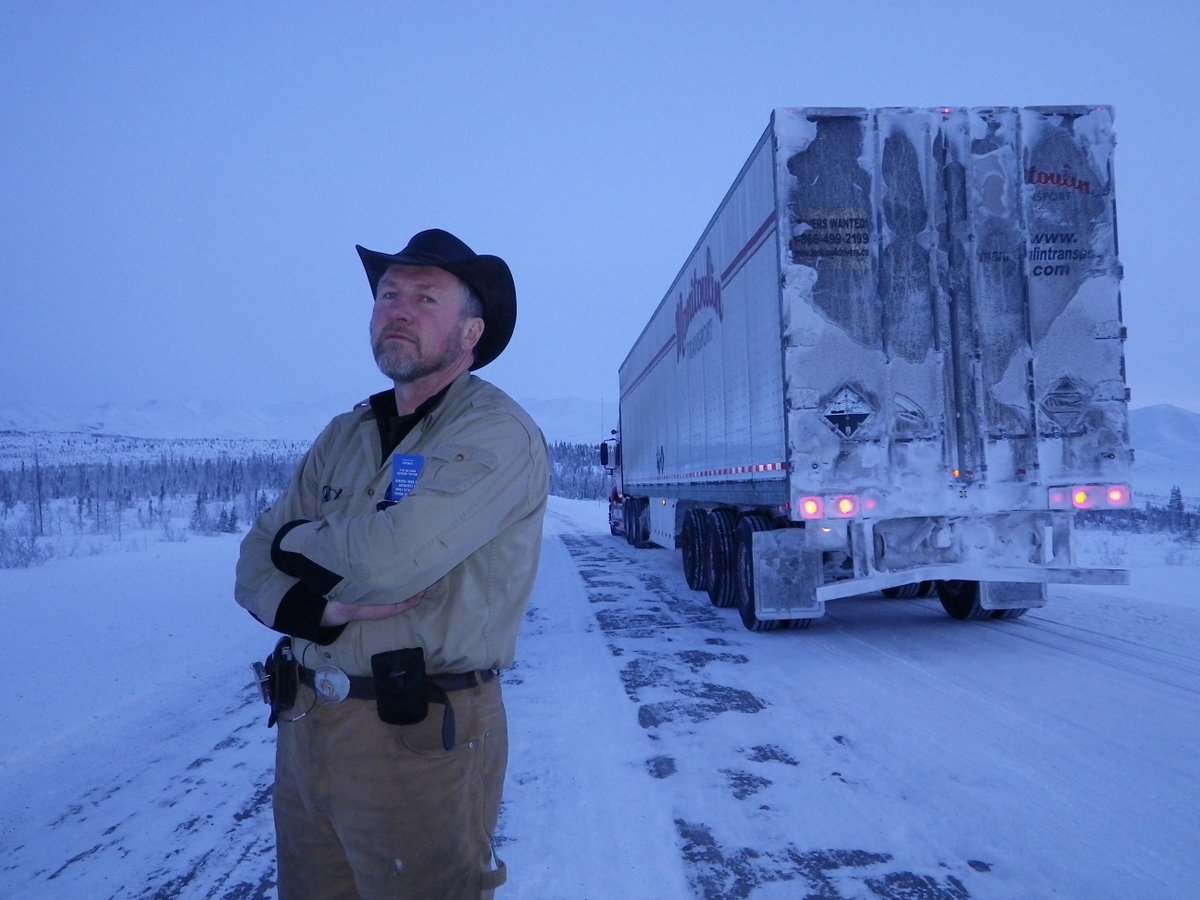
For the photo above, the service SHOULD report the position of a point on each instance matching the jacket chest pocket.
(453, 469)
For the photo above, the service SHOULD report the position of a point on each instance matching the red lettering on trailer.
(704, 292)
(1064, 179)
(748, 250)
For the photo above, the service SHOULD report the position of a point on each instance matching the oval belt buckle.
(331, 684)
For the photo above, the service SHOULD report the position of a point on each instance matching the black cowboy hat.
(488, 276)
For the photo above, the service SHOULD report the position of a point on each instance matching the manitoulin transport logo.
(704, 292)
(1064, 179)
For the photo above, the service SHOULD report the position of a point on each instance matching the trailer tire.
(718, 545)
(642, 529)
(744, 558)
(637, 524)
(695, 554)
(1009, 614)
(903, 591)
(960, 600)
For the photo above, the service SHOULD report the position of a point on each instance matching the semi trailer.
(892, 362)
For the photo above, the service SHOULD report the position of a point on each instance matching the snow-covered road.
(659, 750)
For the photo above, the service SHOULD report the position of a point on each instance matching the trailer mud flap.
(786, 572)
(1011, 595)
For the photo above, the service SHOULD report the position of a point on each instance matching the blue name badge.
(405, 472)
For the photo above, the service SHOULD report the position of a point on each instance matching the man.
(400, 561)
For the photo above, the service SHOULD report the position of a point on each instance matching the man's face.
(417, 324)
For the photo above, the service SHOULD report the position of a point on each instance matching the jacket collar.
(393, 427)
(384, 403)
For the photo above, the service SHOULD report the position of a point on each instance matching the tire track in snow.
(1164, 667)
(684, 671)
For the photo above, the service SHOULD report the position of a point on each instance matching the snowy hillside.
(568, 419)
(175, 419)
(1166, 442)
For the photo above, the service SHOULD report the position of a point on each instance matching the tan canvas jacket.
(467, 536)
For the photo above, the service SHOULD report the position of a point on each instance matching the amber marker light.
(846, 506)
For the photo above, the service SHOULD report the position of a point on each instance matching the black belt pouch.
(401, 690)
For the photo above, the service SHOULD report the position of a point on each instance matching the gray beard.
(405, 369)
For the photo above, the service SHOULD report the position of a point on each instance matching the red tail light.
(1118, 495)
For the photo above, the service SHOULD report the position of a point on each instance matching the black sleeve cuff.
(316, 577)
(299, 615)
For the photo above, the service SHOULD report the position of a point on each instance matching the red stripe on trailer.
(749, 250)
(658, 357)
(743, 256)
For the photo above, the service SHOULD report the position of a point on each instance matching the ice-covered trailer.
(893, 361)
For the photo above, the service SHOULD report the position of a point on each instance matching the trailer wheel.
(903, 591)
(744, 551)
(1009, 613)
(960, 599)
(695, 557)
(718, 544)
(643, 524)
(637, 524)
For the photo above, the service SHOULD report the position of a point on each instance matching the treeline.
(103, 489)
(62, 509)
(1173, 518)
(49, 510)
(576, 473)
(244, 485)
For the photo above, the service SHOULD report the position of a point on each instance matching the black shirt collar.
(393, 427)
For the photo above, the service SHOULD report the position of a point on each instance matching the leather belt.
(362, 687)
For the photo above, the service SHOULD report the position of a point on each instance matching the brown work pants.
(364, 809)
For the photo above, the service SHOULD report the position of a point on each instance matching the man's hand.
(340, 613)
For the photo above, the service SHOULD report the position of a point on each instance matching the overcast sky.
(182, 184)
